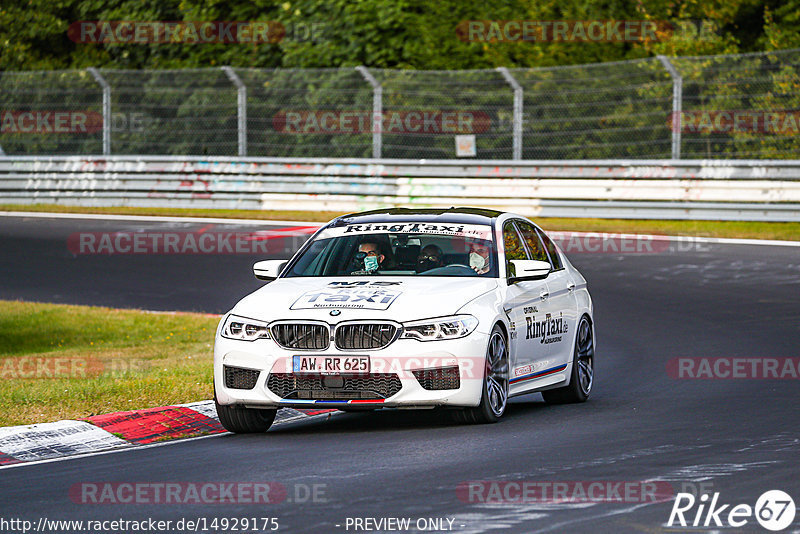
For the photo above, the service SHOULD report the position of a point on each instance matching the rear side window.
(513, 247)
(513, 244)
(532, 241)
(555, 259)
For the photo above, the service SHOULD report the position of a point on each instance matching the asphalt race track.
(737, 437)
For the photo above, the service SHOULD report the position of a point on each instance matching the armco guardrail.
(665, 189)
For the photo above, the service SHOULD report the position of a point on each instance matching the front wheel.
(582, 377)
(494, 395)
(241, 420)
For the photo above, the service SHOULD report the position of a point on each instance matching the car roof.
(432, 215)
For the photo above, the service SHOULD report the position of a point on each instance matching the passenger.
(480, 257)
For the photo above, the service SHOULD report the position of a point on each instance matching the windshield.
(399, 249)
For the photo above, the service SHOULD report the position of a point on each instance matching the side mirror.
(528, 270)
(268, 269)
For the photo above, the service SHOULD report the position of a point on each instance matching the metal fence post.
(106, 108)
(677, 105)
(517, 118)
(241, 108)
(377, 111)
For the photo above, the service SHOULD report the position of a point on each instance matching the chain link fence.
(731, 106)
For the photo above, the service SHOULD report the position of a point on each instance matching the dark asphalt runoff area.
(735, 437)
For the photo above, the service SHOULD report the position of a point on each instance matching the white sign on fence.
(465, 146)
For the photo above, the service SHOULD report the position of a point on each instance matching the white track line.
(683, 238)
(210, 220)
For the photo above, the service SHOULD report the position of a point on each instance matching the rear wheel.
(494, 396)
(243, 420)
(582, 377)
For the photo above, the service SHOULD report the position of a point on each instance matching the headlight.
(244, 329)
(442, 328)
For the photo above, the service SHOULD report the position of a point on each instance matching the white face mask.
(476, 260)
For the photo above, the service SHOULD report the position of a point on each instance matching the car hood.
(396, 298)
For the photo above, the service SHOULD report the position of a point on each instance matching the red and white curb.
(45, 441)
(50, 440)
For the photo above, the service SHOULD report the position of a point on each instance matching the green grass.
(69, 362)
(729, 229)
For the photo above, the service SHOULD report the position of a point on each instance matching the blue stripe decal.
(538, 374)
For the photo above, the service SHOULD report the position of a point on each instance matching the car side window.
(513, 247)
(555, 259)
(532, 241)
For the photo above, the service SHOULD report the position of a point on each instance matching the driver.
(430, 257)
(370, 256)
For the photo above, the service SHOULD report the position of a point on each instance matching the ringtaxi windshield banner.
(476, 231)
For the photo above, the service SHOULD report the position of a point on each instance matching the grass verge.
(69, 362)
(729, 229)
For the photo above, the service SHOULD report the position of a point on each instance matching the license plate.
(334, 394)
(330, 365)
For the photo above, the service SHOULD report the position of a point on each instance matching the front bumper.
(400, 358)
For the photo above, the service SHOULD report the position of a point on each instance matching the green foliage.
(413, 34)
(582, 99)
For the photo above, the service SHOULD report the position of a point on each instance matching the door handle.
(544, 294)
(571, 286)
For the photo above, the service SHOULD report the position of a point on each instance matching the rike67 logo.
(774, 510)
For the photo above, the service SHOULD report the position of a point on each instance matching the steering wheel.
(446, 267)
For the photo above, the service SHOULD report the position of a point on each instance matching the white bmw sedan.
(408, 308)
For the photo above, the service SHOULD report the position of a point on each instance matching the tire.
(494, 395)
(582, 376)
(241, 420)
